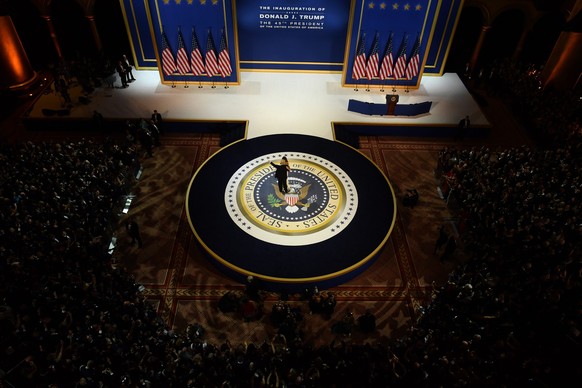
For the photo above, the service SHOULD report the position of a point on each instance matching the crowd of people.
(70, 316)
(552, 117)
(61, 293)
(521, 294)
(89, 74)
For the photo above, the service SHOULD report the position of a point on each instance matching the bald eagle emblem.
(293, 200)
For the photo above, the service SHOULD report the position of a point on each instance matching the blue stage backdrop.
(296, 35)
(292, 35)
(445, 26)
(194, 41)
(136, 15)
(388, 42)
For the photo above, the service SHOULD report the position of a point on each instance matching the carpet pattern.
(185, 287)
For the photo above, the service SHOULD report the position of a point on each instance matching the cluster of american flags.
(388, 67)
(210, 64)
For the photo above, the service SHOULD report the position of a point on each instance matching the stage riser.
(292, 287)
(411, 130)
(231, 130)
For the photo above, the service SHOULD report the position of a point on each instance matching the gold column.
(478, 47)
(562, 70)
(88, 7)
(519, 47)
(51, 28)
(44, 8)
(96, 36)
(15, 69)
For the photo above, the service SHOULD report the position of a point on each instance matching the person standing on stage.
(281, 174)
(464, 125)
(157, 120)
(156, 117)
(128, 68)
(122, 73)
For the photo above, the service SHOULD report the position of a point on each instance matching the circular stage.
(329, 227)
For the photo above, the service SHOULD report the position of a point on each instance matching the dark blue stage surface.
(330, 228)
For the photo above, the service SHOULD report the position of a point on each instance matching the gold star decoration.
(166, 1)
(214, 2)
(395, 6)
(418, 7)
(190, 2)
(382, 5)
(371, 5)
(203, 2)
(407, 7)
(178, 1)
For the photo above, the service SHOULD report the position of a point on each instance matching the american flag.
(359, 69)
(413, 62)
(211, 60)
(196, 56)
(224, 57)
(182, 56)
(372, 65)
(400, 65)
(168, 61)
(387, 60)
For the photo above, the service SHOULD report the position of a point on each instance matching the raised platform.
(328, 229)
(267, 103)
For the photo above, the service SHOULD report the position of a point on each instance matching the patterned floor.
(186, 287)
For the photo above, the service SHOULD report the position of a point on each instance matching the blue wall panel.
(445, 26)
(298, 35)
(405, 22)
(292, 35)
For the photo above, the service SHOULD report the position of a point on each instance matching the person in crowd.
(146, 138)
(133, 231)
(154, 130)
(328, 304)
(462, 128)
(410, 199)
(157, 117)
(127, 66)
(98, 121)
(344, 326)
(157, 120)
(253, 288)
(367, 322)
(230, 302)
(450, 248)
(441, 240)
(120, 68)
(62, 86)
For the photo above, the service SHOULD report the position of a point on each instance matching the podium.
(391, 101)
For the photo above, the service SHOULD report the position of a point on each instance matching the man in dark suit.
(128, 68)
(122, 73)
(156, 117)
(133, 231)
(157, 120)
(464, 124)
(281, 174)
